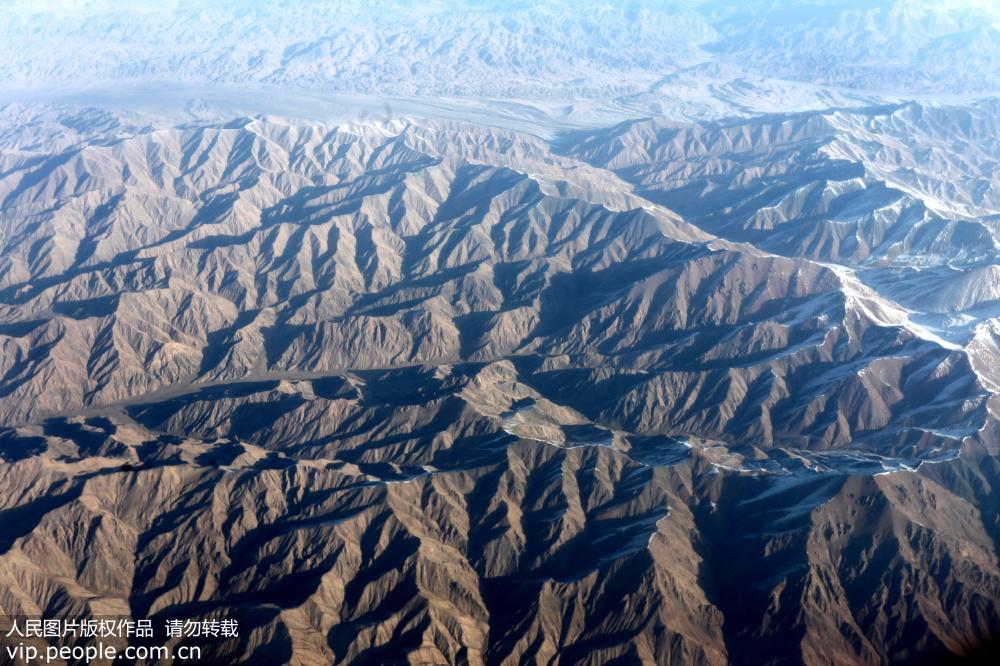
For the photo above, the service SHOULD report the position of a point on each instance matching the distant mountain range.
(568, 61)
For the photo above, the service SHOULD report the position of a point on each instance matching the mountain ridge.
(443, 393)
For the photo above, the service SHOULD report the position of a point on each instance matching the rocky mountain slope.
(436, 392)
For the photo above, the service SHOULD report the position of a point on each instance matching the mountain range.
(545, 333)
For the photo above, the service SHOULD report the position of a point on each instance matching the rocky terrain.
(524, 333)
(435, 392)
